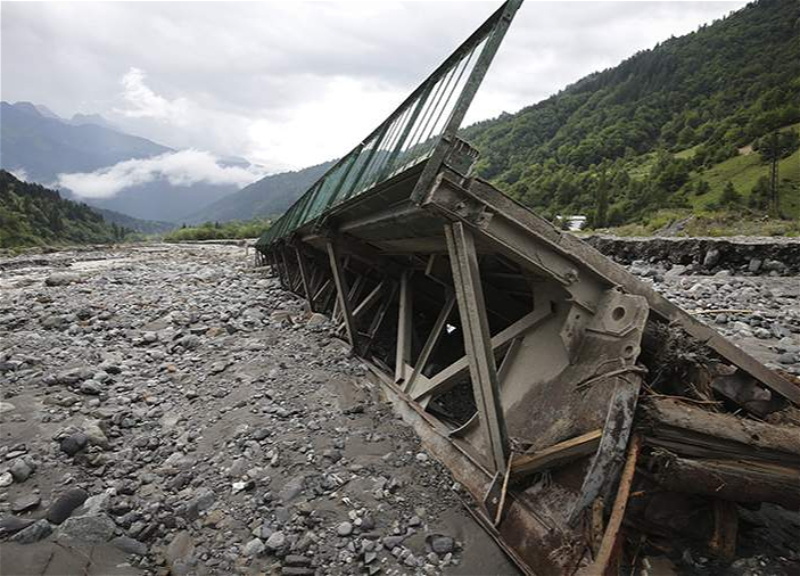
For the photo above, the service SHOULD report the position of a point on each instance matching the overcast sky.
(290, 84)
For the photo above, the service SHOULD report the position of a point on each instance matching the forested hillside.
(135, 224)
(32, 215)
(269, 196)
(691, 125)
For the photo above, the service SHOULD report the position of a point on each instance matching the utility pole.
(774, 155)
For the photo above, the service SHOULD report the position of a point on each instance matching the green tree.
(760, 194)
(730, 196)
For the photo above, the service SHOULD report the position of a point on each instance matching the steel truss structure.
(523, 357)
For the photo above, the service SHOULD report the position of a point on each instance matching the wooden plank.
(726, 527)
(449, 376)
(692, 431)
(341, 290)
(728, 479)
(432, 341)
(404, 319)
(608, 544)
(557, 455)
(477, 340)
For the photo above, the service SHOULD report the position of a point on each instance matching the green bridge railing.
(417, 131)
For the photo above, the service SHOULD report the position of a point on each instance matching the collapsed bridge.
(565, 394)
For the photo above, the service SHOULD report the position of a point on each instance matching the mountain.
(44, 146)
(269, 196)
(135, 224)
(665, 130)
(46, 112)
(96, 119)
(32, 215)
(37, 143)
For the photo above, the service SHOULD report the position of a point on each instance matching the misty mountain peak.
(26, 107)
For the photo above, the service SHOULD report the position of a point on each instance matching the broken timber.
(518, 352)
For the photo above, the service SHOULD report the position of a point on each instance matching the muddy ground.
(169, 409)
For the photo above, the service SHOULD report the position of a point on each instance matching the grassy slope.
(744, 171)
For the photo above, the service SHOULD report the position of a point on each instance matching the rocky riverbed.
(168, 409)
(164, 412)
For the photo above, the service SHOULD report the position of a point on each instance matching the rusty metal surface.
(496, 335)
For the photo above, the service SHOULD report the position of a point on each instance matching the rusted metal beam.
(536, 245)
(477, 340)
(448, 377)
(304, 279)
(380, 315)
(404, 328)
(432, 341)
(607, 460)
(368, 301)
(342, 291)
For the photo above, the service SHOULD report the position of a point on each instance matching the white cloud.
(145, 103)
(289, 84)
(19, 174)
(182, 168)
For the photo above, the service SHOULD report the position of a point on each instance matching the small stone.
(297, 571)
(25, 503)
(189, 342)
(130, 545)
(762, 333)
(276, 541)
(66, 504)
(422, 457)
(787, 358)
(344, 529)
(317, 319)
(12, 524)
(74, 443)
(6, 479)
(33, 533)
(254, 547)
(179, 553)
(218, 367)
(392, 542)
(296, 560)
(62, 279)
(20, 470)
(755, 265)
(91, 388)
(280, 315)
(90, 529)
(441, 544)
(712, 258)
